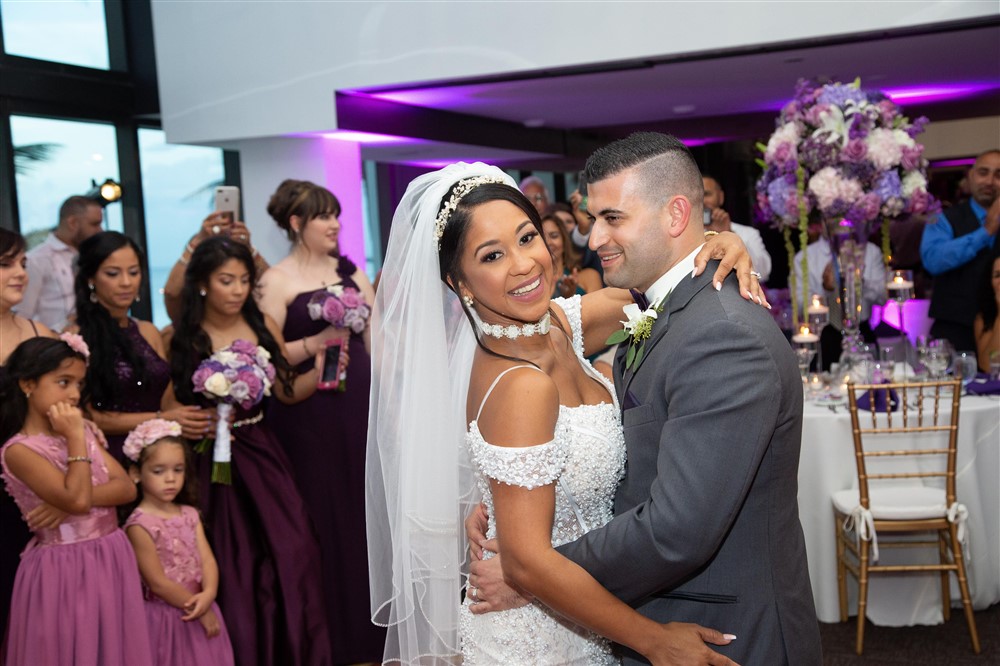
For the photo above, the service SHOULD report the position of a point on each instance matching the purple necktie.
(640, 299)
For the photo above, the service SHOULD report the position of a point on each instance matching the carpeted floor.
(945, 644)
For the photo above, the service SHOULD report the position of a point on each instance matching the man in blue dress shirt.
(955, 249)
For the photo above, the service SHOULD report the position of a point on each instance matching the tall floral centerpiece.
(847, 158)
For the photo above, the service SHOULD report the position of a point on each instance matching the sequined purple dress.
(137, 394)
(326, 438)
(77, 599)
(175, 642)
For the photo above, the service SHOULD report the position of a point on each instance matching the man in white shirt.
(49, 296)
(822, 281)
(717, 219)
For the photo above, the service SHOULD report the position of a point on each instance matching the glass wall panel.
(178, 185)
(68, 31)
(55, 159)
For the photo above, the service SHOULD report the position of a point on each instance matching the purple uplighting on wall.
(935, 93)
(965, 161)
(357, 137)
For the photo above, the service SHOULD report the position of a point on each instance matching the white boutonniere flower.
(636, 328)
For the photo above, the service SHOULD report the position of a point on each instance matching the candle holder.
(806, 342)
(819, 317)
(900, 289)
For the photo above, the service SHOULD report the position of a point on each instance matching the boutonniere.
(636, 329)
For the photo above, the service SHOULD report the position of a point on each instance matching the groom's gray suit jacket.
(707, 526)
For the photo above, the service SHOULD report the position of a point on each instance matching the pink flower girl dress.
(77, 598)
(174, 641)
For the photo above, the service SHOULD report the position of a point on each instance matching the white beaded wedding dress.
(586, 460)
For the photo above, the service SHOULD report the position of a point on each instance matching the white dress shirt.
(49, 298)
(818, 255)
(672, 278)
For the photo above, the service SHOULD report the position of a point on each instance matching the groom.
(706, 527)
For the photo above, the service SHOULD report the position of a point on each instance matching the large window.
(178, 183)
(71, 31)
(55, 159)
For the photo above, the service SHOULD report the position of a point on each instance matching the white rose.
(217, 385)
(315, 311)
(912, 182)
(336, 289)
(227, 358)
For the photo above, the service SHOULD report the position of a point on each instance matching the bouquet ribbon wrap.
(222, 454)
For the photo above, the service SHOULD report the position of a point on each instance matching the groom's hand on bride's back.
(486, 576)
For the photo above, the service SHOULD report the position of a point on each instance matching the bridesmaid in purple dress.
(325, 435)
(270, 582)
(128, 377)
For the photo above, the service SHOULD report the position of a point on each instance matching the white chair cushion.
(896, 503)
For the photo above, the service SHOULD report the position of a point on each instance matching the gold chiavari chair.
(899, 454)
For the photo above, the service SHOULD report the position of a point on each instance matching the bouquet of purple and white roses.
(840, 152)
(241, 374)
(340, 306)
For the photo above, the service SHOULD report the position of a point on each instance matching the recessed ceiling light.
(684, 108)
(534, 122)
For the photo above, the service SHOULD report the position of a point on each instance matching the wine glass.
(937, 358)
(804, 357)
(966, 365)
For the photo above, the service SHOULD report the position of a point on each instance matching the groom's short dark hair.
(667, 167)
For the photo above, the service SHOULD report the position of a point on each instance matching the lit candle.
(898, 283)
(817, 307)
(805, 336)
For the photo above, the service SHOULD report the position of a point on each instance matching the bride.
(481, 389)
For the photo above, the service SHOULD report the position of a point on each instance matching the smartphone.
(227, 200)
(329, 368)
(581, 180)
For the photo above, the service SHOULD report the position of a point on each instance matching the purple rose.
(333, 311)
(854, 151)
(243, 347)
(255, 387)
(239, 391)
(350, 298)
(917, 127)
(920, 202)
(912, 157)
(200, 375)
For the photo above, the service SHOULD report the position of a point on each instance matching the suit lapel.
(677, 301)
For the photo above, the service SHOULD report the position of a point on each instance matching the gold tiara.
(460, 189)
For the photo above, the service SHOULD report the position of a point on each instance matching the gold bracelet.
(709, 234)
(72, 459)
(305, 348)
(189, 248)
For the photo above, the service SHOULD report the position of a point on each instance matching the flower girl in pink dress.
(178, 568)
(77, 598)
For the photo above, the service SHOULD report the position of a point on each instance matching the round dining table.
(826, 465)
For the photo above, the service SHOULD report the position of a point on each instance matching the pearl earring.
(93, 294)
(202, 292)
(468, 301)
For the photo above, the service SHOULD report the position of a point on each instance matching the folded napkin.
(864, 400)
(982, 385)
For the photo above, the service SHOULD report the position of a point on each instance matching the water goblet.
(887, 362)
(966, 365)
(994, 365)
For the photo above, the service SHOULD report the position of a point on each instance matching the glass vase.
(848, 240)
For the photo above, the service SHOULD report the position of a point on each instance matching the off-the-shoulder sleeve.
(571, 306)
(527, 467)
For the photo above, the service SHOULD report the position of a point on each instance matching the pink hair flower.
(76, 343)
(147, 433)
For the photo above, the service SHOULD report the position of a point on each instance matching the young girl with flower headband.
(178, 569)
(77, 597)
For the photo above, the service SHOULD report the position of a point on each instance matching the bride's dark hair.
(453, 242)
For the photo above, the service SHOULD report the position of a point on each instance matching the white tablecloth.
(827, 465)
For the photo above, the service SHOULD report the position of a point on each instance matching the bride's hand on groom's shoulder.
(684, 644)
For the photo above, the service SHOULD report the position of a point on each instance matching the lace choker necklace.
(513, 332)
